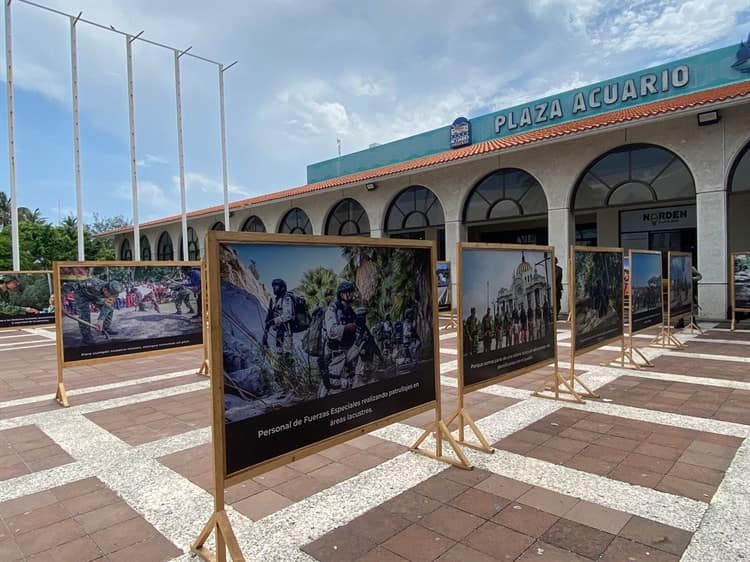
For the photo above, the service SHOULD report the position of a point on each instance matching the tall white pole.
(11, 139)
(76, 134)
(225, 179)
(133, 163)
(180, 151)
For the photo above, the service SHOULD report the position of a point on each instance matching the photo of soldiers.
(598, 296)
(513, 287)
(680, 284)
(113, 310)
(645, 289)
(444, 284)
(741, 272)
(193, 282)
(24, 298)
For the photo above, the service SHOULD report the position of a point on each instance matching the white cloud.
(195, 181)
(150, 160)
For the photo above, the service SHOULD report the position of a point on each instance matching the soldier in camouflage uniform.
(471, 333)
(9, 283)
(181, 296)
(101, 294)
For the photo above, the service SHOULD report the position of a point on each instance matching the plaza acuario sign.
(577, 103)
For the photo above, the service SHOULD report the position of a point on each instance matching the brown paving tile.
(123, 534)
(276, 476)
(378, 525)
(89, 502)
(549, 501)
(48, 537)
(688, 488)
(636, 476)
(104, 517)
(451, 522)
(541, 550)
(26, 503)
(36, 519)
(697, 474)
(339, 546)
(380, 554)
(262, 504)
(525, 519)
(440, 489)
(578, 538)
(153, 549)
(462, 553)
(621, 549)
(603, 453)
(660, 451)
(656, 535)
(83, 549)
(602, 518)
(9, 551)
(418, 544)
(466, 477)
(300, 488)
(706, 461)
(498, 541)
(334, 473)
(554, 456)
(479, 503)
(653, 464)
(503, 487)
(411, 505)
(588, 464)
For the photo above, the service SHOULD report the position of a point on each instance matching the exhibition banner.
(444, 284)
(645, 290)
(680, 284)
(26, 298)
(507, 310)
(741, 281)
(123, 308)
(597, 280)
(318, 336)
(626, 276)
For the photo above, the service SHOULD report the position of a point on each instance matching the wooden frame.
(31, 272)
(732, 286)
(461, 413)
(666, 337)
(627, 352)
(60, 395)
(572, 292)
(218, 521)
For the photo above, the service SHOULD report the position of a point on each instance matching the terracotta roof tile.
(661, 107)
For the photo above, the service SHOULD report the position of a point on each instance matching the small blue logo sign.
(460, 132)
(743, 56)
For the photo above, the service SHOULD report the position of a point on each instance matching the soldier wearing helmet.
(9, 283)
(341, 333)
(279, 318)
(101, 294)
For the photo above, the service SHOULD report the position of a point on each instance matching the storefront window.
(505, 193)
(348, 218)
(254, 224)
(632, 174)
(415, 207)
(218, 225)
(296, 222)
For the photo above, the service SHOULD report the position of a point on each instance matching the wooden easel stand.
(464, 419)
(441, 432)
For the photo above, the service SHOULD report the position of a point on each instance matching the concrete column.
(376, 233)
(712, 254)
(454, 232)
(561, 229)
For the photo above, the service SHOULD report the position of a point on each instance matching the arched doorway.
(296, 222)
(508, 206)
(348, 218)
(638, 196)
(253, 224)
(164, 249)
(194, 253)
(416, 214)
(126, 254)
(739, 202)
(218, 225)
(145, 249)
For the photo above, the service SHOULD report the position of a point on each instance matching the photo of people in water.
(680, 284)
(645, 290)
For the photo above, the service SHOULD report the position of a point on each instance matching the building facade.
(658, 160)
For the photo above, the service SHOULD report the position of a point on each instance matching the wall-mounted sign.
(662, 218)
(460, 132)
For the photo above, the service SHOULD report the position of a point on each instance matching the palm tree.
(319, 286)
(24, 213)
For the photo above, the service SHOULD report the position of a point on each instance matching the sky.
(309, 73)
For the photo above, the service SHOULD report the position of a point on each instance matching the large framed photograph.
(507, 310)
(109, 309)
(444, 285)
(317, 339)
(680, 284)
(597, 281)
(26, 298)
(741, 281)
(645, 290)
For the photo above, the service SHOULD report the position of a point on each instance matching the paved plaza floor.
(655, 470)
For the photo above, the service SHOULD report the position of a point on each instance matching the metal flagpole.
(180, 151)
(133, 163)
(76, 133)
(225, 178)
(11, 138)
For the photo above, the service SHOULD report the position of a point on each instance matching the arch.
(630, 174)
(194, 252)
(164, 249)
(508, 192)
(416, 207)
(218, 225)
(739, 177)
(253, 224)
(126, 253)
(348, 218)
(296, 222)
(145, 249)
